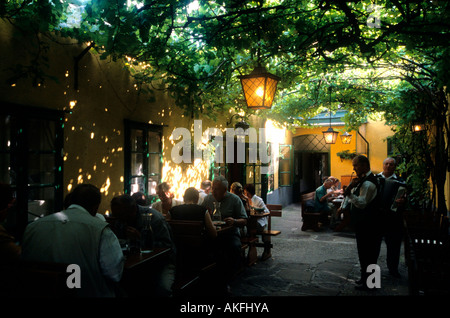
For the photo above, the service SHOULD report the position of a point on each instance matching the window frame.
(20, 154)
(128, 176)
(290, 164)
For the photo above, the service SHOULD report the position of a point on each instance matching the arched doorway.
(311, 163)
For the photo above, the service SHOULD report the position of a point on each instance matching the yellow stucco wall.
(376, 133)
(94, 123)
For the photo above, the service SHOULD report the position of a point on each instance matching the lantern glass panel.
(259, 91)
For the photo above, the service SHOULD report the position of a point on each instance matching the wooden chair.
(309, 216)
(193, 254)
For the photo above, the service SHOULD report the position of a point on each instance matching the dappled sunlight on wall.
(183, 176)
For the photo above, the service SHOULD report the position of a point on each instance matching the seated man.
(321, 203)
(76, 236)
(191, 211)
(261, 223)
(233, 213)
(129, 225)
(166, 198)
(205, 189)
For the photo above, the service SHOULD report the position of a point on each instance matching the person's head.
(389, 165)
(206, 186)
(334, 180)
(237, 188)
(249, 190)
(219, 188)
(328, 183)
(191, 196)
(164, 193)
(88, 196)
(139, 197)
(361, 165)
(123, 207)
(6, 200)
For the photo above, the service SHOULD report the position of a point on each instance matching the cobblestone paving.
(308, 263)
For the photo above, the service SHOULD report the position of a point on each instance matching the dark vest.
(369, 217)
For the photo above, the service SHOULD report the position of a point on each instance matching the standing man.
(393, 204)
(361, 194)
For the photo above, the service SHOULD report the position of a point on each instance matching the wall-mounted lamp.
(346, 138)
(240, 124)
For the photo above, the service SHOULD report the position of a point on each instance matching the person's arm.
(235, 222)
(324, 198)
(367, 193)
(111, 256)
(239, 218)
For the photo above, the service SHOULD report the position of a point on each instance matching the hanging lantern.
(330, 136)
(259, 88)
(346, 138)
(418, 127)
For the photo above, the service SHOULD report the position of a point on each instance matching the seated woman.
(191, 211)
(237, 189)
(322, 203)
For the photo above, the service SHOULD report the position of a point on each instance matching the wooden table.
(134, 261)
(140, 271)
(252, 239)
(337, 202)
(346, 216)
(223, 229)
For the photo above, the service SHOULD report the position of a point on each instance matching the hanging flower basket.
(346, 155)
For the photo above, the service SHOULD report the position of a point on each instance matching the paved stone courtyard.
(308, 263)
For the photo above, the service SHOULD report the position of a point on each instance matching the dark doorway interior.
(311, 163)
(309, 169)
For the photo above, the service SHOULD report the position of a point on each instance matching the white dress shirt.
(367, 192)
(258, 203)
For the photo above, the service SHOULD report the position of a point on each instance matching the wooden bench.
(275, 210)
(309, 216)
